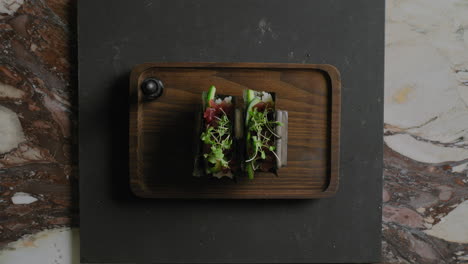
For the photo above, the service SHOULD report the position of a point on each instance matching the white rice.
(228, 99)
(266, 97)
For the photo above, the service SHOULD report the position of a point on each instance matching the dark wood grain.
(161, 131)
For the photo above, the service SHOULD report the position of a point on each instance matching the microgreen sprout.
(260, 133)
(219, 139)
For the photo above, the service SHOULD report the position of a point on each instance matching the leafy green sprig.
(261, 134)
(219, 139)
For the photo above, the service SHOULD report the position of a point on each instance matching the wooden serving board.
(162, 130)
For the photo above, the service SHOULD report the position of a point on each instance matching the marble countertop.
(426, 132)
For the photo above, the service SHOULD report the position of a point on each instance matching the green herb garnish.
(219, 139)
(261, 135)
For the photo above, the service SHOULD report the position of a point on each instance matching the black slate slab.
(117, 227)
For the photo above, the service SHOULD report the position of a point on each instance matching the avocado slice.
(210, 95)
(251, 100)
(252, 103)
(249, 95)
(250, 171)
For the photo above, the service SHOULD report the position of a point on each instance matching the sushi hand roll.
(217, 136)
(261, 133)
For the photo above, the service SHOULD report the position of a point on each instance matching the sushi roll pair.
(234, 142)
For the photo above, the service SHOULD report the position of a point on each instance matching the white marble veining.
(424, 151)
(10, 92)
(460, 168)
(426, 91)
(9, 7)
(54, 246)
(23, 198)
(11, 132)
(454, 226)
(426, 69)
